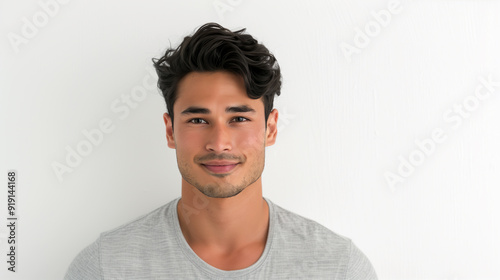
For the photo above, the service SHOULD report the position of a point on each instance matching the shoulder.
(139, 239)
(326, 250)
(128, 242)
(297, 226)
(86, 264)
(147, 225)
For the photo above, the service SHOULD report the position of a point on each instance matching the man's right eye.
(197, 120)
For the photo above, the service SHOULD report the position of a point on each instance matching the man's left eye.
(240, 119)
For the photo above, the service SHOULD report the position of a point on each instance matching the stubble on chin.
(223, 189)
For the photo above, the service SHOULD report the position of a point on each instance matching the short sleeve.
(359, 268)
(86, 264)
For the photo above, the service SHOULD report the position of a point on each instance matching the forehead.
(213, 90)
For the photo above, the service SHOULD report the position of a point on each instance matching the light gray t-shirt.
(153, 247)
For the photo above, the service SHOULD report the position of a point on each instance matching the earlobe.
(170, 131)
(272, 127)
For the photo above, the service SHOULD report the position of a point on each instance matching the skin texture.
(222, 214)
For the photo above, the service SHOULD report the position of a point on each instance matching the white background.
(346, 121)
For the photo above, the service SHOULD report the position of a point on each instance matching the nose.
(219, 139)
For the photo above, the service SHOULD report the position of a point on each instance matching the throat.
(228, 234)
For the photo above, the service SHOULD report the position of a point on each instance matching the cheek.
(186, 142)
(251, 139)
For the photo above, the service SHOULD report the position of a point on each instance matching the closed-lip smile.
(220, 166)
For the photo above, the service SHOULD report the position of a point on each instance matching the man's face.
(220, 133)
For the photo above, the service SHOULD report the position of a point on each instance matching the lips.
(220, 166)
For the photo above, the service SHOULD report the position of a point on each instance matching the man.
(219, 88)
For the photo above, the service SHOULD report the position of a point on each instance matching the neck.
(224, 224)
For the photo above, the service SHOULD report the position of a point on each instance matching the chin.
(216, 192)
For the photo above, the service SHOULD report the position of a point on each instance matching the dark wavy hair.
(215, 48)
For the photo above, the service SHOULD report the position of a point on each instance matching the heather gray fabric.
(153, 247)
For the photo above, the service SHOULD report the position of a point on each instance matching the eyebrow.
(231, 109)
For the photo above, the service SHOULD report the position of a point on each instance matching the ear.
(170, 131)
(272, 127)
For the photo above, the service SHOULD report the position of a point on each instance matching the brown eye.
(240, 119)
(197, 121)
